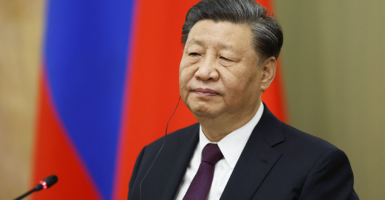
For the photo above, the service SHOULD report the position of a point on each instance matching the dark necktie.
(200, 185)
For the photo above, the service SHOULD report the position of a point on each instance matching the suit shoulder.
(302, 152)
(305, 141)
(176, 136)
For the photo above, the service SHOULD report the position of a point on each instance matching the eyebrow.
(199, 42)
(221, 46)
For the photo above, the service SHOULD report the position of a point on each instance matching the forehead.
(223, 35)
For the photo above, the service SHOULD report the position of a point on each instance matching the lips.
(205, 92)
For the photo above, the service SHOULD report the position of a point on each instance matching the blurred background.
(332, 75)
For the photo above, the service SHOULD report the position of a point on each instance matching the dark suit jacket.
(278, 162)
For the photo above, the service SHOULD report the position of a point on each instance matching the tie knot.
(211, 154)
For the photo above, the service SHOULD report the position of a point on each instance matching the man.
(239, 149)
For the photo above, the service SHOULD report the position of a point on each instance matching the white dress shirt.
(231, 147)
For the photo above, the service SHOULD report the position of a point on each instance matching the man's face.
(219, 74)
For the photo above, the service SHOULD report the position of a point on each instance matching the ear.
(268, 69)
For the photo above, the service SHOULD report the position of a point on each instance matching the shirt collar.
(233, 144)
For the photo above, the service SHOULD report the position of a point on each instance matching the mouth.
(205, 92)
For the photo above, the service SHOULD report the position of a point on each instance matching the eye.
(194, 54)
(223, 58)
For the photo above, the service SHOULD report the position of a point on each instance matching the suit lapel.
(169, 168)
(257, 159)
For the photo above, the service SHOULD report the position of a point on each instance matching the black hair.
(267, 33)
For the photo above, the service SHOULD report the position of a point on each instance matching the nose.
(207, 70)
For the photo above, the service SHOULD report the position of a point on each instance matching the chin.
(203, 108)
(200, 112)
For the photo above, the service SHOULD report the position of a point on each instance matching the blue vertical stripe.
(86, 61)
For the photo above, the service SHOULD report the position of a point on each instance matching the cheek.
(239, 86)
(185, 75)
(182, 85)
(234, 94)
(183, 78)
